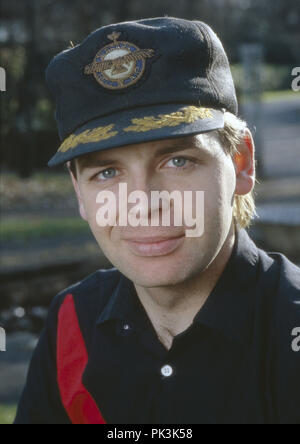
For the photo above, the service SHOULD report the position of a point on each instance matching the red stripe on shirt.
(72, 358)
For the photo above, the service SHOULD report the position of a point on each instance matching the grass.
(30, 199)
(273, 96)
(7, 414)
(12, 229)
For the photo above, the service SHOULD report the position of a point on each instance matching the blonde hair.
(232, 136)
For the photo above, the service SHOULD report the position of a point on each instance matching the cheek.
(219, 193)
(101, 234)
(90, 204)
(225, 189)
(89, 200)
(228, 182)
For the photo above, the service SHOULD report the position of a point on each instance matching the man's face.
(197, 163)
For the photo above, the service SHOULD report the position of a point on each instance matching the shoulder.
(282, 279)
(287, 299)
(89, 295)
(279, 302)
(279, 282)
(96, 285)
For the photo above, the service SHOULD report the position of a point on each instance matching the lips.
(154, 246)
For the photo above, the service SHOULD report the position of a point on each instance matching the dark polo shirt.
(236, 364)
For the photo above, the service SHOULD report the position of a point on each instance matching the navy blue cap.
(137, 82)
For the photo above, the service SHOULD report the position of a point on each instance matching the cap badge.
(119, 64)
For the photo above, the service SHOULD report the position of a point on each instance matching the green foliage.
(274, 77)
(14, 229)
(271, 96)
(7, 414)
(47, 204)
(13, 60)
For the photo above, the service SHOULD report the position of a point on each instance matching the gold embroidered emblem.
(119, 64)
(189, 114)
(88, 136)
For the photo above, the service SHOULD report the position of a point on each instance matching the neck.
(173, 309)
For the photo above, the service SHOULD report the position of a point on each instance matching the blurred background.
(44, 245)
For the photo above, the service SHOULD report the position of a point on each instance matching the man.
(186, 329)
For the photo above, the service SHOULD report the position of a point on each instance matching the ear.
(244, 163)
(79, 197)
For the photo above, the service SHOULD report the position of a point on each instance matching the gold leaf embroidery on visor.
(88, 136)
(187, 115)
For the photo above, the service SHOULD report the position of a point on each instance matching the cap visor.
(138, 125)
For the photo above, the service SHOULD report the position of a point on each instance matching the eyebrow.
(175, 149)
(96, 163)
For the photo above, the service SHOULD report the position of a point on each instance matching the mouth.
(154, 246)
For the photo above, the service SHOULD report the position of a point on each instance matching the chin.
(151, 282)
(155, 273)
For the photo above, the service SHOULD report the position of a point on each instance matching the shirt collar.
(227, 309)
(123, 303)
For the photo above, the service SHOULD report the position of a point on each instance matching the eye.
(178, 162)
(109, 173)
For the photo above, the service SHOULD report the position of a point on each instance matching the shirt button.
(167, 371)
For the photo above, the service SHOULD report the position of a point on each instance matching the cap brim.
(138, 125)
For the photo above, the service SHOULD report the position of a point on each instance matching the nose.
(140, 189)
(149, 203)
